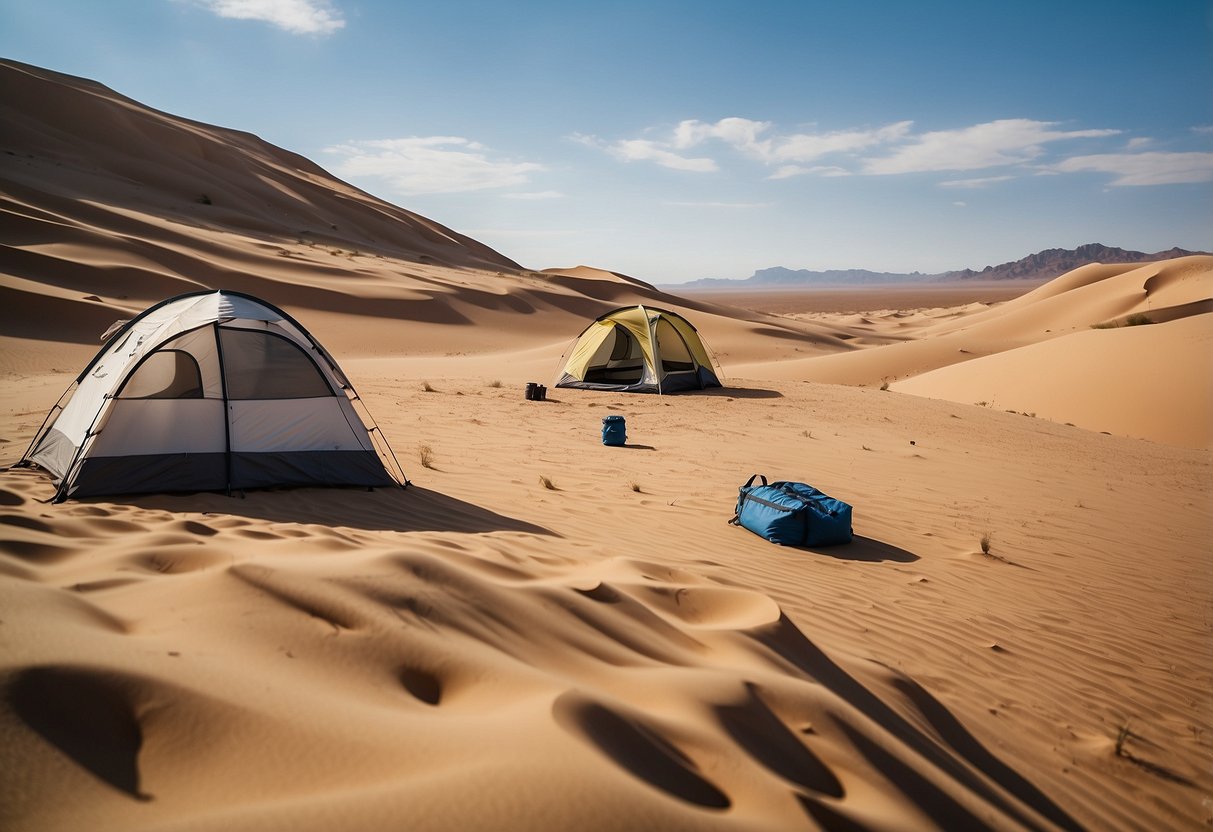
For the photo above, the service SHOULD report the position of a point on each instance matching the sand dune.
(1041, 353)
(543, 632)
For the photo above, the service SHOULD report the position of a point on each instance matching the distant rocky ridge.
(1043, 265)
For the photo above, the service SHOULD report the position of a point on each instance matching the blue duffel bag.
(792, 514)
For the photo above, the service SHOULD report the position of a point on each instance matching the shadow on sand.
(866, 550)
(739, 393)
(940, 742)
(414, 509)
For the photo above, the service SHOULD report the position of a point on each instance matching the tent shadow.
(865, 550)
(741, 392)
(414, 509)
(939, 738)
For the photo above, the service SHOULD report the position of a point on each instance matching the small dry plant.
(636, 488)
(1122, 736)
(547, 483)
(495, 383)
(426, 454)
(426, 387)
(985, 543)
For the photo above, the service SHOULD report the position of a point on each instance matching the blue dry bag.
(792, 514)
(614, 431)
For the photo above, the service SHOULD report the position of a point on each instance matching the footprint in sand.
(717, 608)
(424, 686)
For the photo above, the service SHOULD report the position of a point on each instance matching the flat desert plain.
(542, 632)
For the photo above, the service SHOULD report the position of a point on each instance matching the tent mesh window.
(165, 374)
(261, 365)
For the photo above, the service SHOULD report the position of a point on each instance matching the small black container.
(530, 391)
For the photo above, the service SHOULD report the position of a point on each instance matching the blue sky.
(676, 140)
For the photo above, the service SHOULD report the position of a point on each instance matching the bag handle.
(750, 481)
(816, 499)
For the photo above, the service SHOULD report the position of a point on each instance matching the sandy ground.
(546, 633)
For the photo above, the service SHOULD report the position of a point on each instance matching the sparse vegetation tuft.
(547, 483)
(425, 386)
(426, 455)
(1122, 736)
(636, 488)
(495, 383)
(203, 199)
(1136, 319)
(985, 543)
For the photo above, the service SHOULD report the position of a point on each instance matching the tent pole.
(227, 418)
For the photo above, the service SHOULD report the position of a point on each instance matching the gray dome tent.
(209, 391)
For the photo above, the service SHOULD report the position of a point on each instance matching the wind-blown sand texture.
(483, 651)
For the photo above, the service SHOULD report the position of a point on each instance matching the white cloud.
(748, 137)
(752, 139)
(788, 171)
(647, 150)
(803, 147)
(993, 144)
(300, 17)
(1155, 168)
(644, 150)
(430, 164)
(741, 133)
(1025, 145)
(974, 183)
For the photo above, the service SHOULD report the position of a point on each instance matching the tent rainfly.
(210, 391)
(639, 349)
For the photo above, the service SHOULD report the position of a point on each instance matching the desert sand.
(545, 633)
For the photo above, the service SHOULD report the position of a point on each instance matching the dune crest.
(1077, 349)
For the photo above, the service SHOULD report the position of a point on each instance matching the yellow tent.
(639, 349)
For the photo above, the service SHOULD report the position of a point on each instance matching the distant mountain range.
(1043, 265)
